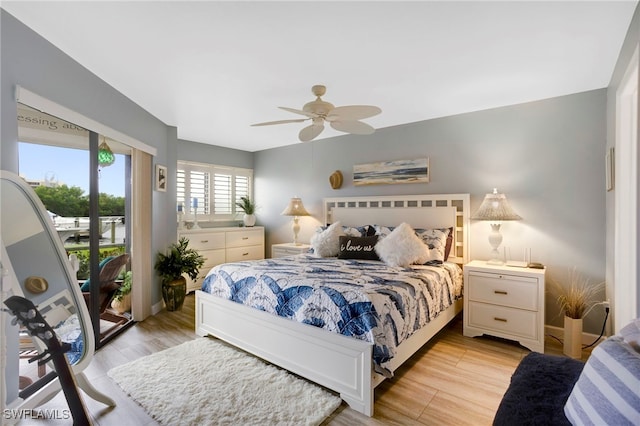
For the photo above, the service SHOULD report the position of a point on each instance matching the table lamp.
(295, 209)
(495, 208)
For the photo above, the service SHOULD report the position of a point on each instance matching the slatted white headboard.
(426, 211)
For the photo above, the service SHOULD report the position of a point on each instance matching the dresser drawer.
(504, 290)
(213, 258)
(236, 254)
(511, 321)
(245, 238)
(206, 240)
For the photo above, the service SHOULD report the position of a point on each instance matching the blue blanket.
(363, 299)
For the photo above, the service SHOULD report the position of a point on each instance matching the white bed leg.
(364, 406)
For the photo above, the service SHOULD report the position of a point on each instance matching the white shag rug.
(207, 382)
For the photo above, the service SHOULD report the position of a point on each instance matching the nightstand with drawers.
(504, 301)
(288, 249)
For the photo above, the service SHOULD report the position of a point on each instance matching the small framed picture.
(161, 178)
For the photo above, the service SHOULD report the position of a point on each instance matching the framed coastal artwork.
(392, 172)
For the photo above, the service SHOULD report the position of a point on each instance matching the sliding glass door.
(83, 180)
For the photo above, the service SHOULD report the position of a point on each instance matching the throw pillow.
(358, 248)
(86, 286)
(608, 389)
(402, 247)
(447, 247)
(631, 334)
(327, 242)
(383, 231)
(436, 240)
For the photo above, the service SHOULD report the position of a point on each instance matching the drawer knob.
(204, 241)
(500, 292)
(245, 254)
(245, 238)
(500, 319)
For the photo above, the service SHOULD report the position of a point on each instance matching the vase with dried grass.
(575, 301)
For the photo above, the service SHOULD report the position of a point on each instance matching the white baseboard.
(157, 307)
(587, 338)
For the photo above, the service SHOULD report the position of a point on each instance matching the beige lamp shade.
(295, 209)
(495, 208)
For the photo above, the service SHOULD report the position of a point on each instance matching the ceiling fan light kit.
(344, 119)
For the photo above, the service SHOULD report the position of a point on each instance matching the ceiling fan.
(345, 118)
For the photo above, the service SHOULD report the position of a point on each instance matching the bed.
(351, 366)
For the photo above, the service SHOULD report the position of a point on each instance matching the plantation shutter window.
(216, 189)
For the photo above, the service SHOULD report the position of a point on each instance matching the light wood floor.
(452, 380)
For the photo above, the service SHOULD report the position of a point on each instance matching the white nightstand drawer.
(503, 289)
(206, 240)
(236, 254)
(245, 238)
(511, 321)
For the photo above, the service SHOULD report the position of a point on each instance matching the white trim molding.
(38, 102)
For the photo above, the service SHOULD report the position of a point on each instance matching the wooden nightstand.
(288, 249)
(504, 301)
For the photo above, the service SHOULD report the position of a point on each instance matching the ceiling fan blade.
(269, 123)
(299, 111)
(353, 126)
(310, 132)
(353, 112)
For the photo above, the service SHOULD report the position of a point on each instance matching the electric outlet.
(605, 304)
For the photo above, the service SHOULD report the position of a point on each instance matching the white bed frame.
(340, 363)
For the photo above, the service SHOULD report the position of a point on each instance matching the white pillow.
(402, 247)
(327, 242)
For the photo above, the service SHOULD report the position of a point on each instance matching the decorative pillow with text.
(358, 248)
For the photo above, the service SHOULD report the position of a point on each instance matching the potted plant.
(122, 300)
(179, 259)
(249, 209)
(575, 301)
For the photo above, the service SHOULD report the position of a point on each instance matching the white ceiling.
(213, 68)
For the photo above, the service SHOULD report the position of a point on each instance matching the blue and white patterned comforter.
(363, 299)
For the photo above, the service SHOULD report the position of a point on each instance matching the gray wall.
(32, 62)
(547, 157)
(203, 153)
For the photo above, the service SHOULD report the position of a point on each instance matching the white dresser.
(504, 301)
(222, 245)
(288, 249)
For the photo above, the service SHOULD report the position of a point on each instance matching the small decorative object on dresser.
(288, 249)
(249, 208)
(179, 259)
(505, 302)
